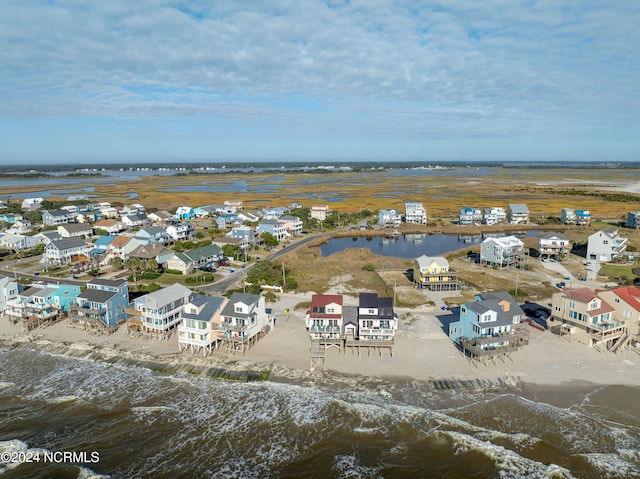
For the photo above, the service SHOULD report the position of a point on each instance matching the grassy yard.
(618, 272)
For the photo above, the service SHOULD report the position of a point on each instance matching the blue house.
(45, 302)
(153, 235)
(583, 217)
(184, 213)
(242, 232)
(487, 324)
(226, 221)
(102, 304)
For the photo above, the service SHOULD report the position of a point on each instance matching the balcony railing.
(325, 329)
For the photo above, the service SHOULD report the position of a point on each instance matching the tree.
(117, 262)
(232, 251)
(269, 239)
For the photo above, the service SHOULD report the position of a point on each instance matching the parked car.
(561, 284)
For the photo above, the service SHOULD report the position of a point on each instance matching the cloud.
(359, 68)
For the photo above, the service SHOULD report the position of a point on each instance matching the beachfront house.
(101, 306)
(62, 251)
(493, 215)
(435, 274)
(244, 319)
(625, 301)
(377, 322)
(553, 245)
(319, 212)
(489, 325)
(275, 227)
(389, 218)
(324, 318)
(42, 303)
(75, 230)
(606, 245)
(583, 316)
(200, 324)
(10, 218)
(158, 313)
(57, 217)
(633, 219)
(469, 216)
(8, 291)
(507, 252)
(202, 257)
(414, 212)
(517, 213)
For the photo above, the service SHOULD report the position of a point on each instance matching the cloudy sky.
(214, 80)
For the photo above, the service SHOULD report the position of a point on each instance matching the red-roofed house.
(626, 302)
(586, 318)
(324, 317)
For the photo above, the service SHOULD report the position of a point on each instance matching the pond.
(411, 246)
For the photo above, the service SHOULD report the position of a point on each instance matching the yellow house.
(435, 274)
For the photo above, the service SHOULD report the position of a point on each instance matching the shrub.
(172, 271)
(369, 267)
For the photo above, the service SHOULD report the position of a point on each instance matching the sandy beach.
(422, 352)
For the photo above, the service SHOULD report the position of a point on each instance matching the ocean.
(132, 422)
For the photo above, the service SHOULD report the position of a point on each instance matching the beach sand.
(422, 352)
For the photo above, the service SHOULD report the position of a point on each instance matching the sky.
(339, 80)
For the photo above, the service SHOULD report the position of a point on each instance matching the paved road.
(221, 286)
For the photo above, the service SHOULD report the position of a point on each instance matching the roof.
(75, 227)
(115, 283)
(68, 243)
(384, 305)
(629, 294)
(553, 235)
(170, 294)
(120, 241)
(197, 254)
(492, 302)
(154, 230)
(211, 305)
(136, 218)
(57, 212)
(506, 241)
(518, 208)
(324, 299)
(586, 295)
(424, 261)
(106, 223)
(97, 295)
(150, 251)
(104, 240)
(245, 298)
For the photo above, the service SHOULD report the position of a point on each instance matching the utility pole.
(516, 291)
(284, 279)
(394, 291)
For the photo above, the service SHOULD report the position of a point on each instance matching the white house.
(606, 245)
(72, 230)
(244, 317)
(414, 212)
(493, 215)
(159, 312)
(517, 213)
(389, 218)
(568, 216)
(63, 250)
(553, 244)
(319, 212)
(504, 252)
(180, 232)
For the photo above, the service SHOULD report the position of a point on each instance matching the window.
(367, 324)
(385, 325)
(572, 304)
(371, 311)
(238, 308)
